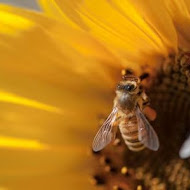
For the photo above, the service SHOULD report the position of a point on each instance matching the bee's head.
(130, 84)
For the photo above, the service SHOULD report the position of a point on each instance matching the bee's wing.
(185, 149)
(104, 135)
(146, 135)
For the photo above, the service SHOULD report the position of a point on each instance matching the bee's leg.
(146, 102)
(117, 120)
(144, 76)
(116, 125)
(145, 99)
(114, 132)
(115, 128)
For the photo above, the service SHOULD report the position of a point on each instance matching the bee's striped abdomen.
(129, 132)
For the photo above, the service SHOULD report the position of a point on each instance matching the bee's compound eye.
(129, 87)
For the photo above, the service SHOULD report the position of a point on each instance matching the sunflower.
(58, 72)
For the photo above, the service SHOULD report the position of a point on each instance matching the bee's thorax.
(125, 101)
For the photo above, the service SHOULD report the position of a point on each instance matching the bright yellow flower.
(57, 76)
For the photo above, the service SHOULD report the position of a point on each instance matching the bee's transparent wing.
(147, 135)
(104, 136)
(185, 149)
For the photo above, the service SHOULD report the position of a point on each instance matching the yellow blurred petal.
(48, 169)
(10, 23)
(177, 8)
(58, 181)
(187, 2)
(12, 98)
(16, 143)
(76, 76)
(125, 33)
(179, 11)
(77, 45)
(53, 10)
(156, 14)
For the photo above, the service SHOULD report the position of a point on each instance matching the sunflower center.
(119, 168)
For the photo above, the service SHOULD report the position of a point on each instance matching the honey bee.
(127, 113)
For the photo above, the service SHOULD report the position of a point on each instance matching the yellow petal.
(44, 66)
(57, 181)
(53, 10)
(9, 23)
(125, 33)
(12, 98)
(76, 45)
(187, 2)
(16, 143)
(179, 11)
(156, 14)
(43, 169)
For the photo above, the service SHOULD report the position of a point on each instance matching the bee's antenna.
(144, 76)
